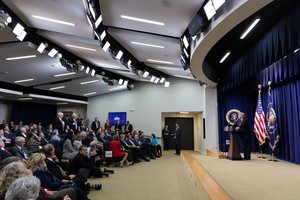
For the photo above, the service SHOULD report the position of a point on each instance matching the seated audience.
(154, 143)
(117, 152)
(4, 153)
(68, 151)
(31, 144)
(19, 150)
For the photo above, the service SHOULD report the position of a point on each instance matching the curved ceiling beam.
(240, 11)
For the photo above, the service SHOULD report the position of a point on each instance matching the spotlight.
(152, 79)
(59, 55)
(41, 47)
(120, 82)
(145, 74)
(129, 63)
(93, 72)
(162, 80)
(5, 19)
(119, 55)
(18, 29)
(106, 46)
(102, 36)
(156, 80)
(167, 84)
(22, 35)
(98, 21)
(92, 11)
(87, 70)
(52, 53)
(125, 83)
(185, 42)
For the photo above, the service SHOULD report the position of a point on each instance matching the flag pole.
(260, 148)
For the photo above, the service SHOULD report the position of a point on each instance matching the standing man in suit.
(95, 125)
(128, 127)
(118, 126)
(177, 137)
(72, 122)
(59, 123)
(242, 128)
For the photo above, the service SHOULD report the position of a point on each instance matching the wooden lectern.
(233, 152)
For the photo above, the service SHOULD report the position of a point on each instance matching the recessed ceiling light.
(62, 103)
(98, 21)
(56, 98)
(18, 29)
(106, 46)
(148, 45)
(21, 57)
(162, 80)
(167, 84)
(10, 91)
(88, 94)
(145, 74)
(57, 88)
(156, 80)
(22, 35)
(66, 74)
(152, 79)
(224, 57)
(169, 68)
(142, 20)
(79, 47)
(249, 29)
(53, 20)
(25, 80)
(52, 53)
(160, 61)
(41, 48)
(24, 99)
(88, 82)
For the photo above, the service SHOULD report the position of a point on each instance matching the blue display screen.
(115, 116)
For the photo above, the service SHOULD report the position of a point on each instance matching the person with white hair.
(59, 123)
(24, 188)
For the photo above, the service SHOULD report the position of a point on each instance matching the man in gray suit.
(177, 137)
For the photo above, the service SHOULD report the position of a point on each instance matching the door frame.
(198, 125)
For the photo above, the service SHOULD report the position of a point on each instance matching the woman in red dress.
(116, 148)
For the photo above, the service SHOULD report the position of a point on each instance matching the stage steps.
(198, 175)
(216, 154)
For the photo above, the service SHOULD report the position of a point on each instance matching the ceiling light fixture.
(218, 3)
(142, 20)
(185, 42)
(92, 11)
(87, 70)
(62, 103)
(22, 35)
(296, 50)
(209, 10)
(156, 80)
(25, 98)
(120, 82)
(88, 94)
(41, 48)
(160, 61)
(224, 57)
(10, 91)
(129, 63)
(79, 47)
(24, 80)
(53, 20)
(93, 72)
(148, 45)
(162, 80)
(167, 84)
(65, 74)
(88, 82)
(117, 88)
(249, 28)
(125, 83)
(52, 53)
(169, 68)
(21, 57)
(185, 52)
(56, 98)
(57, 88)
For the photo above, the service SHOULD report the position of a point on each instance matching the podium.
(233, 152)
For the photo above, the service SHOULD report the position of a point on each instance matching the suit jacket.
(177, 133)
(79, 162)
(244, 130)
(94, 127)
(48, 180)
(128, 128)
(118, 126)
(21, 153)
(55, 169)
(57, 124)
(4, 154)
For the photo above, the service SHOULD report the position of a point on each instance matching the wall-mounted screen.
(115, 116)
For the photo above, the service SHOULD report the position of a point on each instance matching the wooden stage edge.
(198, 175)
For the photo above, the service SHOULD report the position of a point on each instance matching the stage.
(243, 179)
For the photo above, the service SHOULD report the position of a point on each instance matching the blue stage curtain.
(32, 113)
(272, 59)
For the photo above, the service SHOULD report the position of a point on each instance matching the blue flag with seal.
(272, 121)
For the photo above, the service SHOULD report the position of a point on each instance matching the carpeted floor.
(162, 178)
(256, 179)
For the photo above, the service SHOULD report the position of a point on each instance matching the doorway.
(187, 128)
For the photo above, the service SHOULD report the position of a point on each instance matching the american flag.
(259, 123)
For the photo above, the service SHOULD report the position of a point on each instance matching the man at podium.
(242, 128)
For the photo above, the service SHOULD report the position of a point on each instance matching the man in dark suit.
(118, 126)
(72, 122)
(95, 125)
(177, 137)
(128, 127)
(242, 128)
(19, 150)
(59, 123)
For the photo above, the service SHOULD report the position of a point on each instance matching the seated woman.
(31, 144)
(37, 164)
(154, 142)
(78, 141)
(116, 148)
(68, 151)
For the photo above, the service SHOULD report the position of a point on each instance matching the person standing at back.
(166, 137)
(177, 137)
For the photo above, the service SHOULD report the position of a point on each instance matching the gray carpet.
(163, 178)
